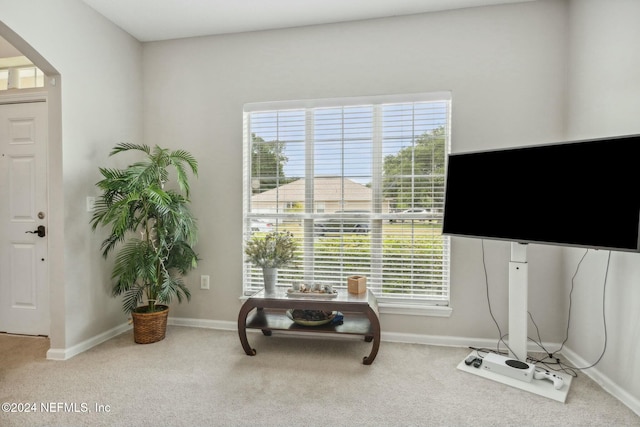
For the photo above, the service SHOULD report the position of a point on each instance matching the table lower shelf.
(269, 319)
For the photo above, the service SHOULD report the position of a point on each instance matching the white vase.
(270, 275)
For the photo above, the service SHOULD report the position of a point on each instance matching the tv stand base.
(540, 387)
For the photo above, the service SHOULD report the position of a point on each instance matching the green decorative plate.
(305, 322)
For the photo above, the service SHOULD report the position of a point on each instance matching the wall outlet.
(204, 282)
(91, 203)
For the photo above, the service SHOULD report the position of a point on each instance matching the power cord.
(566, 336)
(551, 359)
(604, 317)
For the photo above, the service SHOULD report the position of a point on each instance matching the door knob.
(40, 231)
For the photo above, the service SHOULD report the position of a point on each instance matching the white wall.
(100, 68)
(505, 66)
(604, 100)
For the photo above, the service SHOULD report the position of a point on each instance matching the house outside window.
(360, 184)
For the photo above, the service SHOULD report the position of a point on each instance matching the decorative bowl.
(306, 317)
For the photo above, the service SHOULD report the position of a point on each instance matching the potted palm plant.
(155, 231)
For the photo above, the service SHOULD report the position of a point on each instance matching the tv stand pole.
(518, 301)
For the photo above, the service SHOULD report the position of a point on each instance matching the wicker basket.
(150, 327)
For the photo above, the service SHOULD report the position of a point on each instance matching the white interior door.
(24, 288)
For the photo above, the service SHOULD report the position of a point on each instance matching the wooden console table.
(267, 312)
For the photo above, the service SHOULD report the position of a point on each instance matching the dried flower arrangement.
(274, 250)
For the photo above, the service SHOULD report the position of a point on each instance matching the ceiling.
(149, 20)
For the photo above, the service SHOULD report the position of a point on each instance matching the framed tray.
(304, 322)
(311, 294)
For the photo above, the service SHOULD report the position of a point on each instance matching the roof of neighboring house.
(325, 189)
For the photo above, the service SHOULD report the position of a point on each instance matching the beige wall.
(604, 100)
(505, 66)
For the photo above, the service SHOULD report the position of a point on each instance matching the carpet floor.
(201, 377)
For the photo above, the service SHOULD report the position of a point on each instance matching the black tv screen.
(584, 193)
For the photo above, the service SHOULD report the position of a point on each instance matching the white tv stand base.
(540, 387)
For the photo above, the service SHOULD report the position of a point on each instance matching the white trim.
(347, 101)
(223, 325)
(29, 95)
(451, 341)
(414, 309)
(603, 381)
(373, 124)
(68, 353)
(398, 337)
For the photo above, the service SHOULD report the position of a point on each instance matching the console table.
(267, 312)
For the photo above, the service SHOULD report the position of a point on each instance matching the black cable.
(570, 299)
(550, 359)
(556, 361)
(604, 318)
(486, 282)
(566, 367)
(550, 365)
(539, 342)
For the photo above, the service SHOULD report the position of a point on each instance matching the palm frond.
(173, 286)
(178, 159)
(125, 146)
(132, 298)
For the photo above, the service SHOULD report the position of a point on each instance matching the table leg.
(375, 326)
(242, 328)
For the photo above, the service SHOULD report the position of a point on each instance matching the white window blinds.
(360, 184)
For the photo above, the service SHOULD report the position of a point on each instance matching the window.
(30, 77)
(4, 79)
(360, 184)
(21, 78)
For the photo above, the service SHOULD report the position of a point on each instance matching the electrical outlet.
(204, 282)
(91, 203)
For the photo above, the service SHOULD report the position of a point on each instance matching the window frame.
(396, 305)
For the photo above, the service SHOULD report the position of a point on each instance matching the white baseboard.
(224, 325)
(603, 381)
(399, 337)
(68, 353)
(449, 341)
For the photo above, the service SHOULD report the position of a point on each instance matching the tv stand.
(518, 336)
(518, 301)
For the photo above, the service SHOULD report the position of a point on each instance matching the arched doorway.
(54, 212)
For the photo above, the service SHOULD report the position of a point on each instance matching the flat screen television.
(582, 193)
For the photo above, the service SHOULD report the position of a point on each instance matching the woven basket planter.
(150, 327)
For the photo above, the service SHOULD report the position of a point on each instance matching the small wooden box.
(357, 284)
